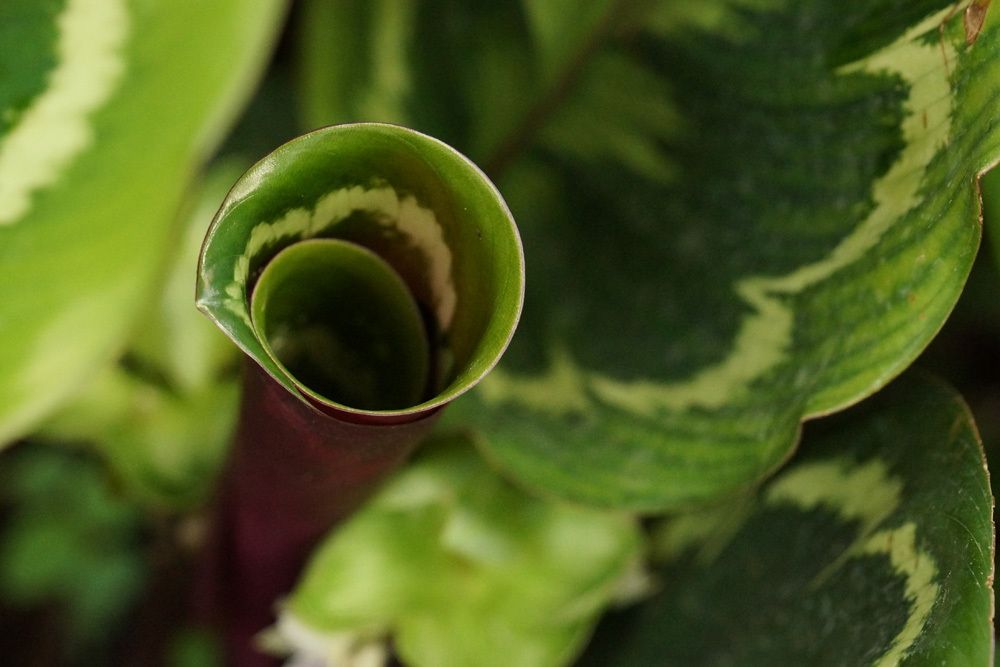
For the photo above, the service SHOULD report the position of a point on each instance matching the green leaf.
(873, 547)
(738, 215)
(173, 341)
(370, 351)
(991, 212)
(162, 415)
(165, 448)
(195, 648)
(394, 61)
(459, 568)
(107, 108)
(442, 232)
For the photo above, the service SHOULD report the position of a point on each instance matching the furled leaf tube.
(371, 275)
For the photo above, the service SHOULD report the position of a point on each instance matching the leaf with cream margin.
(459, 567)
(874, 546)
(106, 111)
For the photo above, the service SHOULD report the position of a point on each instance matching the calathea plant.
(739, 217)
(386, 278)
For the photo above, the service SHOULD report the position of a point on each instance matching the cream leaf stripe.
(764, 337)
(55, 129)
(401, 214)
(868, 494)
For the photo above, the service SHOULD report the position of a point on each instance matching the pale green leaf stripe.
(412, 200)
(91, 237)
(873, 547)
(868, 494)
(831, 254)
(55, 128)
(764, 337)
(400, 214)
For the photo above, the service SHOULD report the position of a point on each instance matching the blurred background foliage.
(100, 506)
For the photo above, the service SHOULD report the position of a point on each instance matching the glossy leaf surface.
(872, 547)
(107, 108)
(421, 207)
(738, 213)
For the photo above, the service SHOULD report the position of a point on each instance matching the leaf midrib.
(552, 99)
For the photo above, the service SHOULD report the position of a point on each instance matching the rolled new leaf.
(420, 206)
(371, 274)
(375, 358)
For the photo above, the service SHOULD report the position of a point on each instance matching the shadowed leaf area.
(70, 552)
(873, 547)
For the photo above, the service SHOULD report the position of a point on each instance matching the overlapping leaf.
(458, 567)
(106, 107)
(873, 547)
(737, 214)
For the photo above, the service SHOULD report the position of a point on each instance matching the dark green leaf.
(873, 547)
(68, 540)
(780, 219)
(991, 217)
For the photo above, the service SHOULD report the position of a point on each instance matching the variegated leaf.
(106, 109)
(737, 214)
(873, 547)
(403, 235)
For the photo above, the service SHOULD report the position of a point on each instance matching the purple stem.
(294, 472)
